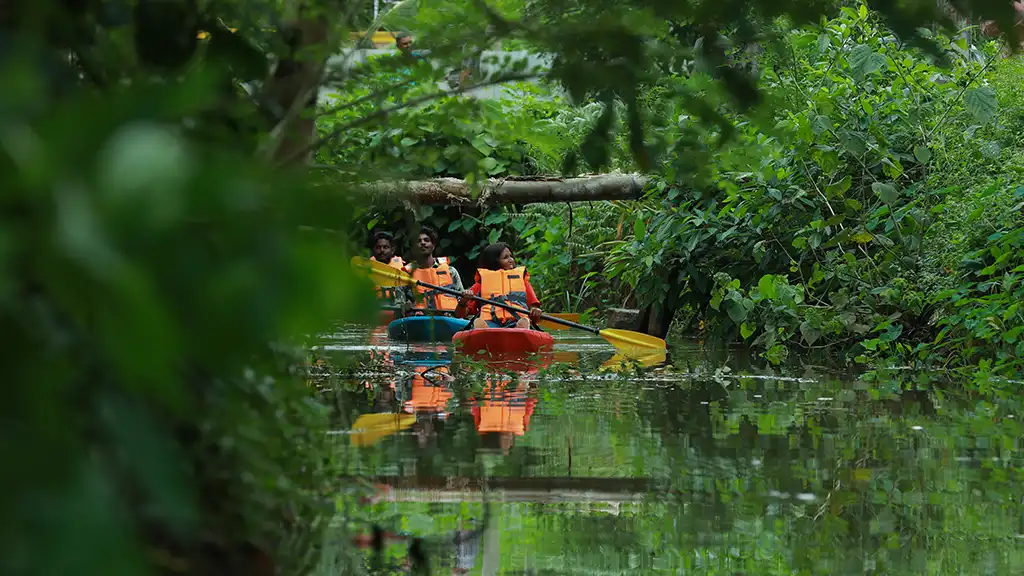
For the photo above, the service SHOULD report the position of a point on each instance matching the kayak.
(425, 328)
(502, 341)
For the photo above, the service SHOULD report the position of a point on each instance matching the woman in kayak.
(433, 270)
(498, 278)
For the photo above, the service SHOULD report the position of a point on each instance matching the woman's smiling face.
(506, 261)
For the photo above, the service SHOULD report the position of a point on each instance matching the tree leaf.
(809, 332)
(887, 192)
(639, 228)
(766, 286)
(736, 310)
(488, 164)
(981, 103)
(923, 154)
(482, 146)
(746, 330)
(990, 150)
(863, 61)
(840, 187)
(862, 237)
(854, 142)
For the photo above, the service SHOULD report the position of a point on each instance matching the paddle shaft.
(553, 319)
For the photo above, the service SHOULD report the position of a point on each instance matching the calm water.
(704, 465)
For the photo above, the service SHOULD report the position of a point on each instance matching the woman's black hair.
(489, 258)
(431, 233)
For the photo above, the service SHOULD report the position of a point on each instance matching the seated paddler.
(384, 252)
(499, 279)
(431, 269)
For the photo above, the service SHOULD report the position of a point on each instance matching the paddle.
(630, 343)
(369, 428)
(572, 317)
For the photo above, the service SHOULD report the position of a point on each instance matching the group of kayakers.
(497, 278)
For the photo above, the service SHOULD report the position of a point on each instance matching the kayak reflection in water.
(502, 413)
(499, 279)
(428, 400)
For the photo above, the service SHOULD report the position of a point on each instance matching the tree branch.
(385, 112)
(522, 190)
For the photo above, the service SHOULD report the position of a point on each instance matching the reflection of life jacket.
(430, 392)
(438, 275)
(503, 410)
(506, 286)
(388, 292)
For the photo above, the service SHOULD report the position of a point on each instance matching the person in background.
(433, 270)
(403, 41)
(384, 252)
(498, 278)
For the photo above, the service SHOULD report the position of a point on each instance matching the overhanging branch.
(519, 190)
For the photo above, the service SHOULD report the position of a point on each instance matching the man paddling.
(425, 267)
(384, 252)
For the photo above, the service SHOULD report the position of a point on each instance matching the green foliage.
(982, 320)
(156, 248)
(145, 271)
(809, 231)
(453, 137)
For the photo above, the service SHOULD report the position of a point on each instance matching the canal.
(704, 464)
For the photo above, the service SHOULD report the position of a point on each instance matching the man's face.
(404, 44)
(425, 245)
(383, 251)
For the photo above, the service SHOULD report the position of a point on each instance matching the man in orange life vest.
(384, 252)
(434, 270)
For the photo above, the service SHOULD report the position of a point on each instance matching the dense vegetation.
(165, 250)
(842, 217)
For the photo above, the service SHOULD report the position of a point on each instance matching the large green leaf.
(809, 332)
(923, 154)
(854, 142)
(736, 310)
(766, 286)
(887, 192)
(864, 61)
(981, 103)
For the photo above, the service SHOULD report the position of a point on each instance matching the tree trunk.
(292, 88)
(514, 190)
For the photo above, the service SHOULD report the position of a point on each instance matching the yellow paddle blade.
(382, 274)
(565, 316)
(619, 362)
(369, 428)
(633, 344)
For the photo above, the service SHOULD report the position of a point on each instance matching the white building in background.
(492, 64)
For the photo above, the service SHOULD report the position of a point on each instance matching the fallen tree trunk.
(517, 190)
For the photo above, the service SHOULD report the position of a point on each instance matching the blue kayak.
(426, 328)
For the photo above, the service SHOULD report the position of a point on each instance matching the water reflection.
(707, 465)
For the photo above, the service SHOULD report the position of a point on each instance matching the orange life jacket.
(439, 275)
(388, 292)
(506, 286)
(503, 409)
(428, 394)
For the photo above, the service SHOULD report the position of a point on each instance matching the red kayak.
(502, 341)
